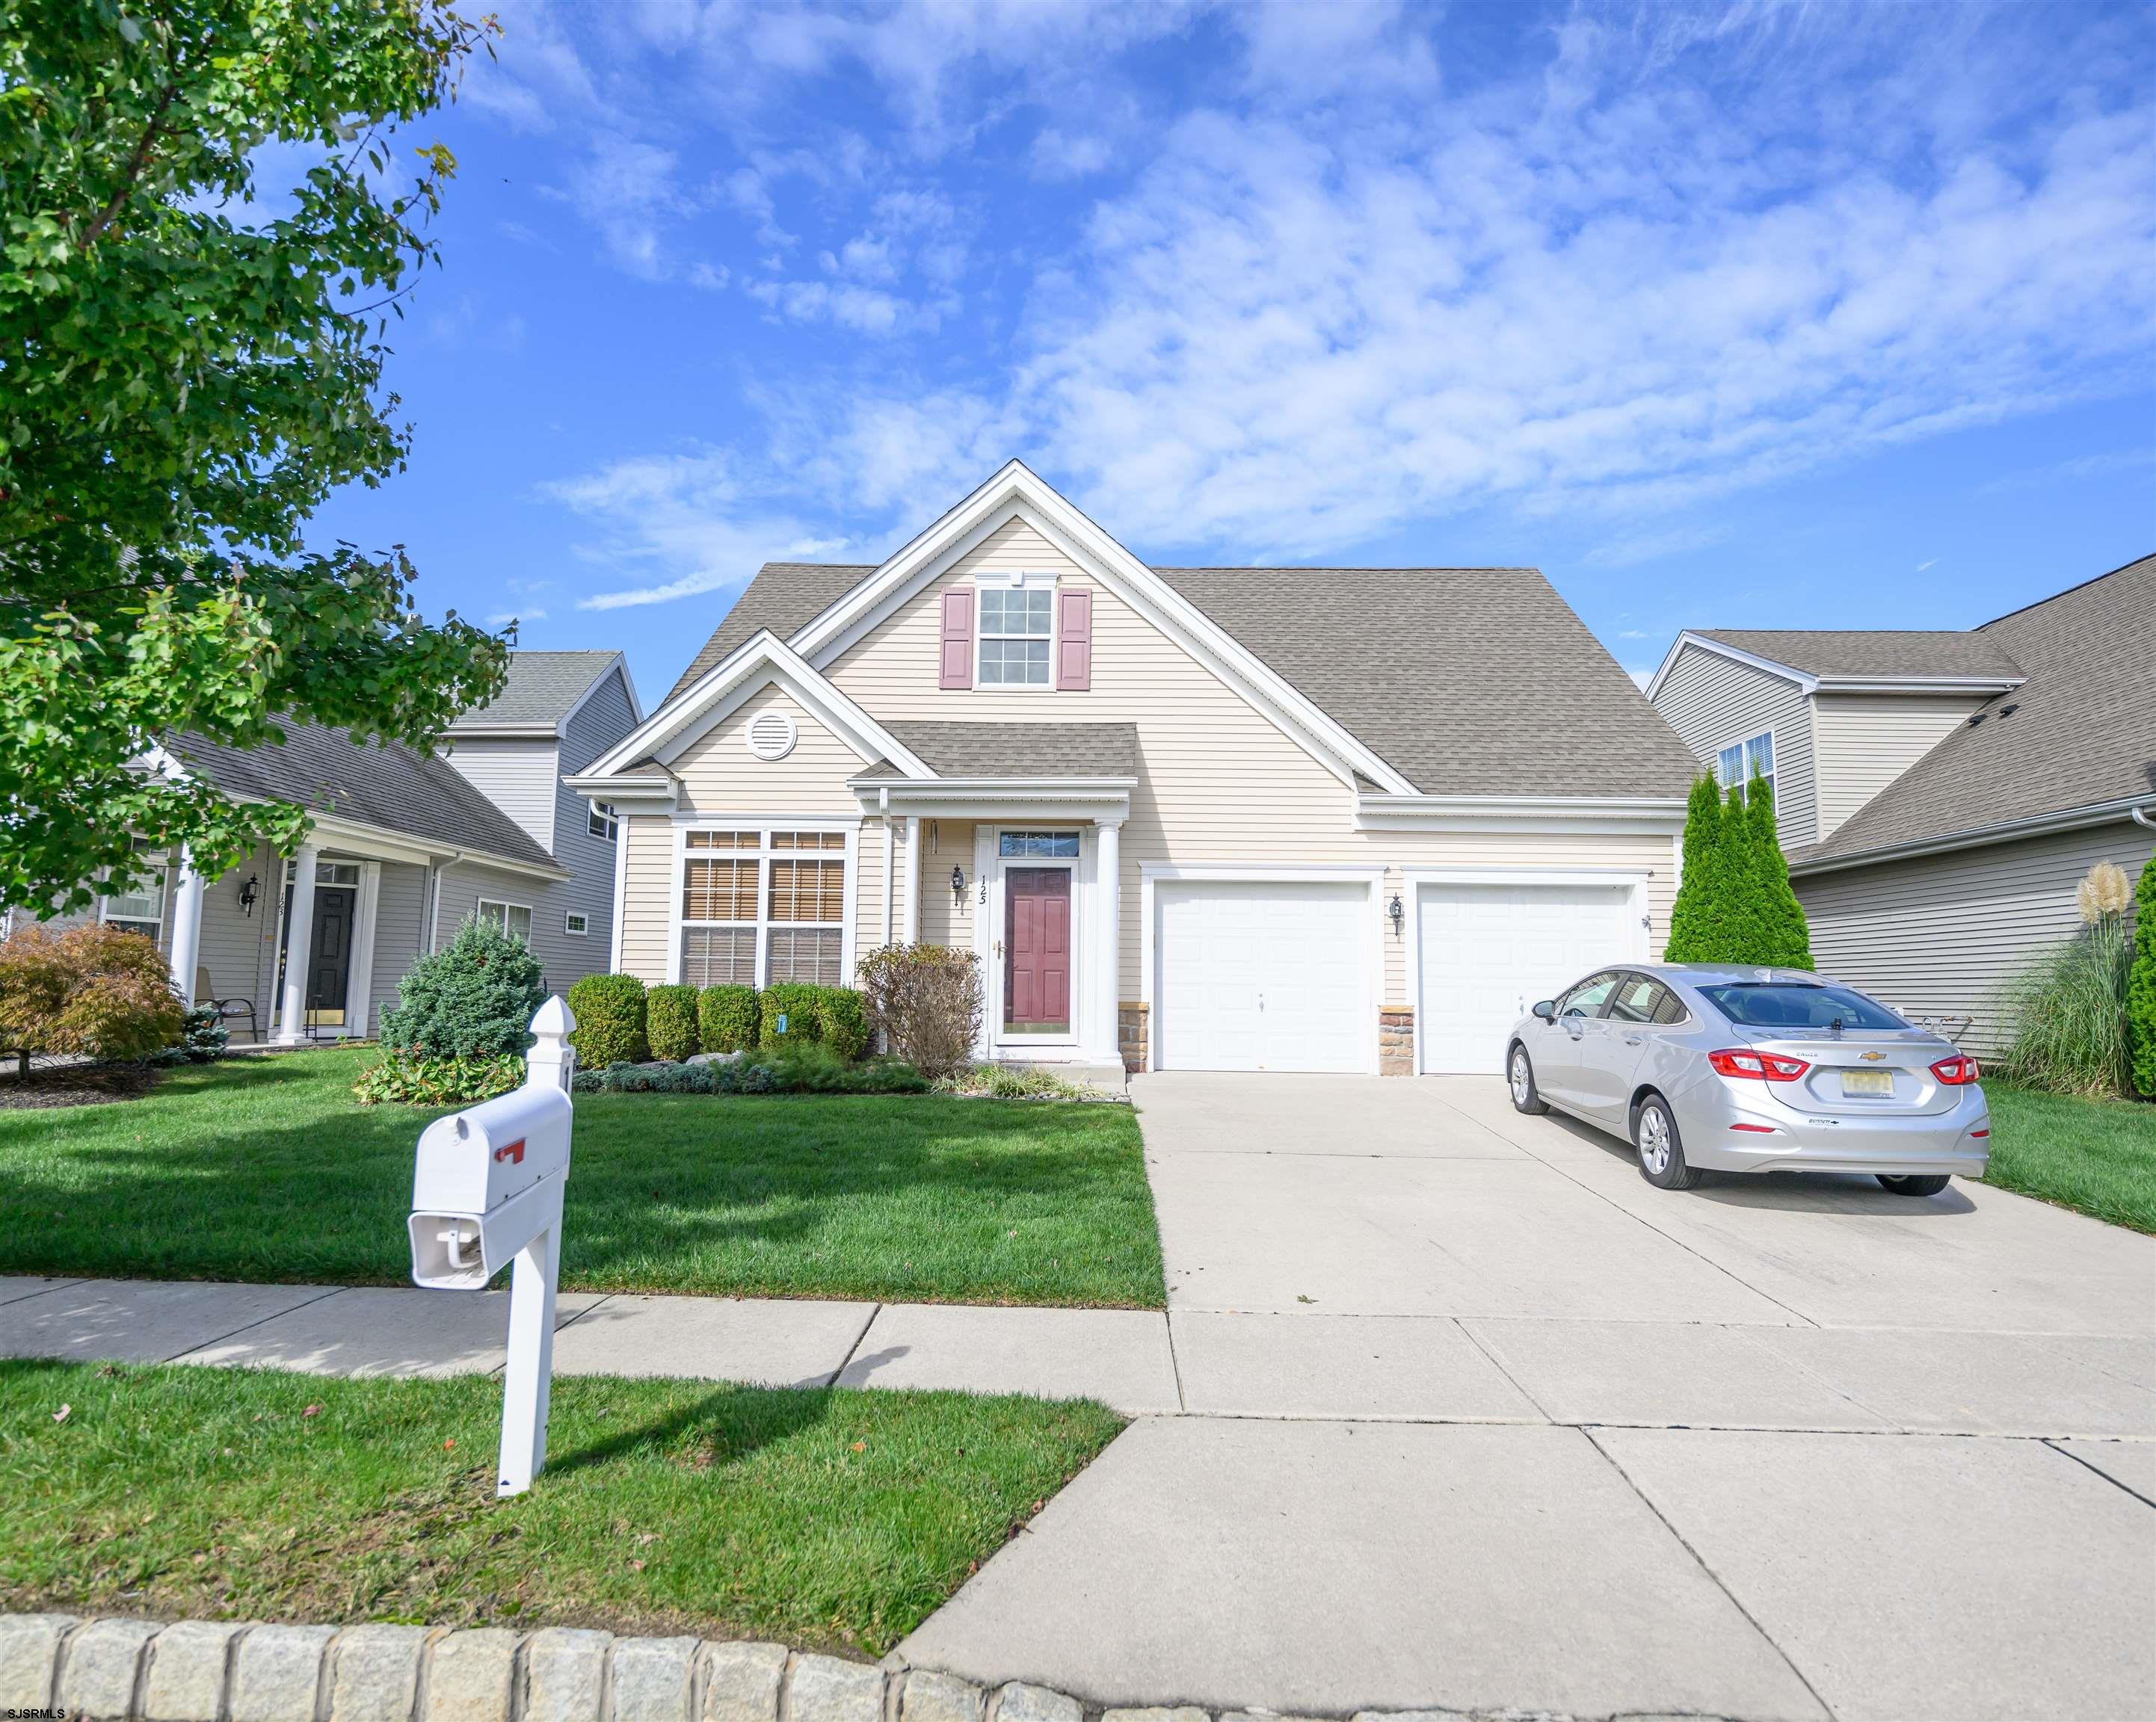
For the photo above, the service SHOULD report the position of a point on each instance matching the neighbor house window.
(771, 901)
(576, 925)
(1015, 634)
(514, 918)
(1737, 765)
(601, 820)
(142, 910)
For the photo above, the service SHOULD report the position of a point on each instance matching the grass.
(265, 1170)
(837, 1519)
(2095, 1156)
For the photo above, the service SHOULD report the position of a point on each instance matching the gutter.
(1982, 836)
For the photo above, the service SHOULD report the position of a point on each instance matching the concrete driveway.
(1475, 1417)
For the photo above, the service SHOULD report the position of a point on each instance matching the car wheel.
(1662, 1149)
(1520, 1078)
(1928, 1185)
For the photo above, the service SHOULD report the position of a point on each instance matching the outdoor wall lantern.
(248, 893)
(957, 887)
(1395, 914)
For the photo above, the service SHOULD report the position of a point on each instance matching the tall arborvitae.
(1696, 919)
(1781, 935)
(2141, 985)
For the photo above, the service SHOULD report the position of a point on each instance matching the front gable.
(736, 768)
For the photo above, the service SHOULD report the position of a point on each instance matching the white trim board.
(1811, 683)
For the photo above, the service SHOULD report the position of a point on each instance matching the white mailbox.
(486, 1193)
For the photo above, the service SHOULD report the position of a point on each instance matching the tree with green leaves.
(1735, 903)
(189, 364)
(1778, 933)
(1696, 919)
(2141, 985)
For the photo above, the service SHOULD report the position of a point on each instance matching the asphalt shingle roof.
(392, 786)
(1886, 653)
(1018, 750)
(2080, 731)
(1468, 681)
(542, 688)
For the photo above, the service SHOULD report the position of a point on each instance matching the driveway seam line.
(249, 1326)
(1726, 1273)
(1497, 1363)
(1685, 1543)
(1174, 1362)
(43, 1291)
(875, 1310)
(2053, 1441)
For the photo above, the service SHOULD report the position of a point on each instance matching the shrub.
(203, 1038)
(669, 1016)
(804, 1069)
(727, 1018)
(473, 999)
(841, 1023)
(1735, 903)
(792, 1004)
(1781, 936)
(93, 990)
(609, 1012)
(418, 1080)
(2068, 1012)
(2141, 986)
(1696, 919)
(925, 1000)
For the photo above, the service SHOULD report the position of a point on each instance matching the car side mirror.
(1546, 1010)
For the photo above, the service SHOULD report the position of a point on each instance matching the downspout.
(889, 866)
(2141, 818)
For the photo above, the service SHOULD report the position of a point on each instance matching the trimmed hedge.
(794, 1004)
(670, 1017)
(727, 1018)
(841, 1022)
(609, 1010)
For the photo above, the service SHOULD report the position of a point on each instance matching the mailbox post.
(486, 1193)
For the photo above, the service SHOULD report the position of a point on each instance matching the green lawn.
(264, 1169)
(830, 1518)
(2098, 1156)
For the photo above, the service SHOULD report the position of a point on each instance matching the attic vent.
(771, 735)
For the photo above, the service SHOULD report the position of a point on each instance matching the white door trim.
(1636, 911)
(1153, 873)
(989, 862)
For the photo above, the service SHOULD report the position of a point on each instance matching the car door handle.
(1631, 1040)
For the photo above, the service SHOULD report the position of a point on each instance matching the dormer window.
(1016, 622)
(1737, 764)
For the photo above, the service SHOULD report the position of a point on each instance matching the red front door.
(1037, 950)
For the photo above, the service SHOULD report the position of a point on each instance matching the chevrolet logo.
(1874, 1057)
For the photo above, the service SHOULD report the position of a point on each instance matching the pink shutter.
(957, 638)
(1073, 651)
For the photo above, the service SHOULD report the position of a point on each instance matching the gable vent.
(771, 735)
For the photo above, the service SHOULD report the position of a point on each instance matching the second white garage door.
(1489, 952)
(1263, 975)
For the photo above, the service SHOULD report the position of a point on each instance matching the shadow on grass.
(735, 1422)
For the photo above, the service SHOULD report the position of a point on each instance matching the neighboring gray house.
(1940, 794)
(403, 848)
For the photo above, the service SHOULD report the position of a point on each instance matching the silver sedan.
(1708, 1067)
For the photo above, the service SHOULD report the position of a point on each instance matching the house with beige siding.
(403, 848)
(1351, 819)
(1940, 793)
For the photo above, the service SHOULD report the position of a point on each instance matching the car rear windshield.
(1788, 1004)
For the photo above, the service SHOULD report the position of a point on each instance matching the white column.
(1108, 901)
(187, 927)
(299, 947)
(912, 879)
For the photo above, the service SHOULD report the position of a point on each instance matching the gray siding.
(1941, 935)
(605, 718)
(400, 931)
(565, 959)
(520, 777)
(1712, 701)
(238, 948)
(1862, 742)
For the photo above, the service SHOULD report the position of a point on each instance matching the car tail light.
(1979, 1134)
(1756, 1130)
(1957, 1072)
(1758, 1067)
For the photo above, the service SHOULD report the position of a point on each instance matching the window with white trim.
(1056, 844)
(768, 900)
(514, 918)
(1737, 764)
(576, 924)
(140, 909)
(601, 820)
(1015, 623)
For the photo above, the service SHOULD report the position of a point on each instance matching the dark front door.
(1037, 950)
(329, 956)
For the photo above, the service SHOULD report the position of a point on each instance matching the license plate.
(1867, 1082)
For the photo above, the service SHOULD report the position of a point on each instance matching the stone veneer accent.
(1396, 1041)
(1133, 1034)
(122, 1670)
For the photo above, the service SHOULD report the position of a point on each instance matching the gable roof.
(1888, 653)
(2080, 732)
(543, 689)
(1466, 681)
(390, 786)
(950, 749)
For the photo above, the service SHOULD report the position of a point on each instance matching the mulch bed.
(76, 1084)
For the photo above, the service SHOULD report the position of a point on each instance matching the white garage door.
(1489, 952)
(1262, 976)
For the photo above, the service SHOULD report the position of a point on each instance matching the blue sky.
(1746, 316)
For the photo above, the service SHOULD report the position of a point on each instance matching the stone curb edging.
(123, 1670)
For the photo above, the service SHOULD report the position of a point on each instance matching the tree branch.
(135, 163)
